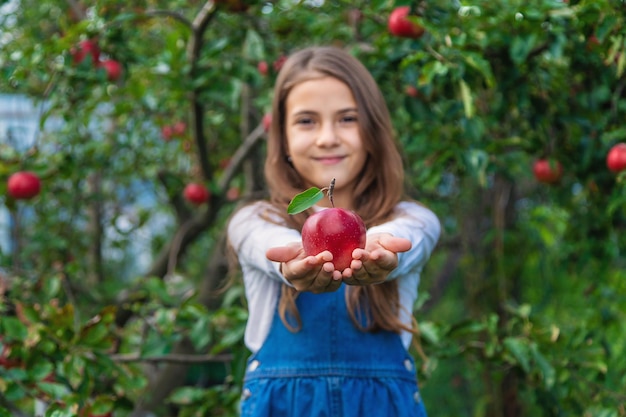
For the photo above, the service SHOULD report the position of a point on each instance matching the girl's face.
(323, 138)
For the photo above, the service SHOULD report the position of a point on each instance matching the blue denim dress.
(330, 368)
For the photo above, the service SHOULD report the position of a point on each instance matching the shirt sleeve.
(251, 234)
(417, 224)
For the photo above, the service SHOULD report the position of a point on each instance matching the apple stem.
(330, 192)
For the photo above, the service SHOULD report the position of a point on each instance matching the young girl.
(326, 342)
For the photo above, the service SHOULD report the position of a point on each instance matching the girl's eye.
(349, 119)
(304, 121)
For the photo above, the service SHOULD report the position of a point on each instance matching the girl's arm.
(266, 245)
(251, 234)
(415, 226)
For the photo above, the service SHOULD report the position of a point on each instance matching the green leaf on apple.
(305, 200)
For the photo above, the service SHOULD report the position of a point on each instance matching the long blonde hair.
(380, 186)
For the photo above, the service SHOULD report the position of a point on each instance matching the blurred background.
(130, 131)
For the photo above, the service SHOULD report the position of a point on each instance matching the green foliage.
(110, 271)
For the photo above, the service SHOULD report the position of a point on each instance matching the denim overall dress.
(330, 368)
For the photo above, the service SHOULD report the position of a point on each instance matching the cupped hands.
(317, 274)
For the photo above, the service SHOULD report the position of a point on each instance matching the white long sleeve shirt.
(251, 235)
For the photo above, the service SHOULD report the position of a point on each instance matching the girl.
(326, 342)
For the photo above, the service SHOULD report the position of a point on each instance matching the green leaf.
(483, 66)
(519, 349)
(547, 370)
(13, 329)
(53, 389)
(102, 405)
(95, 332)
(477, 162)
(51, 286)
(430, 332)
(521, 48)
(188, 395)
(253, 46)
(466, 95)
(199, 335)
(305, 200)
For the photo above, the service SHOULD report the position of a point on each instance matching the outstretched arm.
(373, 264)
(397, 247)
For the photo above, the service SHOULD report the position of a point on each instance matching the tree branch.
(239, 156)
(199, 26)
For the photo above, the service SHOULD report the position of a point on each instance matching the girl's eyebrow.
(348, 110)
(310, 112)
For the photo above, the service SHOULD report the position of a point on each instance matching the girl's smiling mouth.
(329, 160)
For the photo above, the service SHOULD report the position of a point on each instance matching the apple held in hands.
(337, 230)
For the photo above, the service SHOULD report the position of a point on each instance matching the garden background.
(112, 296)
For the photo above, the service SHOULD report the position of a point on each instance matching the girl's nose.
(327, 135)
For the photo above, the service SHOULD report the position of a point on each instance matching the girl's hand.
(373, 264)
(306, 273)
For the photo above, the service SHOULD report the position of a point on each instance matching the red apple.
(616, 158)
(85, 48)
(399, 24)
(112, 68)
(23, 185)
(196, 193)
(411, 91)
(262, 67)
(337, 230)
(167, 132)
(179, 128)
(278, 64)
(547, 171)
(267, 121)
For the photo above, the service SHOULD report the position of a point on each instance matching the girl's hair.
(379, 188)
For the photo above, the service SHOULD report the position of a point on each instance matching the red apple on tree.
(113, 69)
(263, 67)
(86, 48)
(167, 132)
(411, 91)
(334, 229)
(616, 158)
(196, 193)
(280, 61)
(179, 128)
(400, 25)
(23, 185)
(547, 171)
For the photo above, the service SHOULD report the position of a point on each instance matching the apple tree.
(117, 296)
